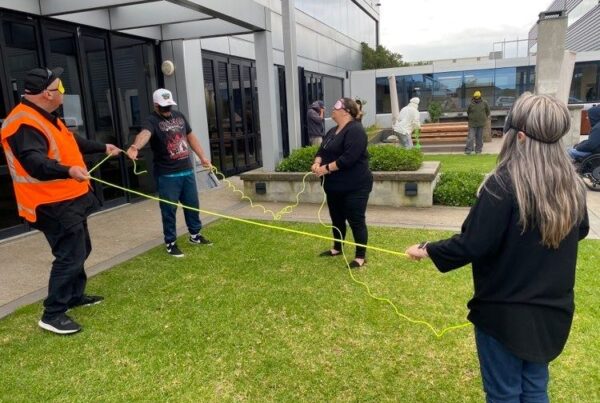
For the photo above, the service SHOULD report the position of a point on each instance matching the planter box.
(389, 188)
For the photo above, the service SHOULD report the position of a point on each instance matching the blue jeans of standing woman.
(507, 378)
(178, 187)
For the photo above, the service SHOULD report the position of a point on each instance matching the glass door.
(232, 113)
(100, 112)
(61, 51)
(20, 53)
(134, 101)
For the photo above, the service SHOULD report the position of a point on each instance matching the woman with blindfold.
(343, 162)
(521, 238)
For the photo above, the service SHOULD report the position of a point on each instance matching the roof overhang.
(157, 19)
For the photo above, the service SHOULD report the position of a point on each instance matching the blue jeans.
(578, 155)
(507, 378)
(178, 189)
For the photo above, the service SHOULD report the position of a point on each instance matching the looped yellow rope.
(277, 216)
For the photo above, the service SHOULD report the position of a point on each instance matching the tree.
(379, 58)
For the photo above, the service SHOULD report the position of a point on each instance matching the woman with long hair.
(344, 162)
(521, 238)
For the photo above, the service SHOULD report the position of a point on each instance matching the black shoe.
(329, 253)
(355, 265)
(200, 240)
(173, 250)
(61, 324)
(87, 300)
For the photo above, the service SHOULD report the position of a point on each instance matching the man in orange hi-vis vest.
(52, 190)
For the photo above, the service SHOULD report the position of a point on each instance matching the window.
(586, 83)
(479, 80)
(505, 91)
(448, 90)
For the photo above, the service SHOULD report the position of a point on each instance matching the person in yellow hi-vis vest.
(52, 189)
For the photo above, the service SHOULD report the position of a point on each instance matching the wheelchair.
(589, 170)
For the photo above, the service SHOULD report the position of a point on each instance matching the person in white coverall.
(409, 120)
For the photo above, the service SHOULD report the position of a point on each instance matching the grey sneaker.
(61, 324)
(200, 240)
(173, 250)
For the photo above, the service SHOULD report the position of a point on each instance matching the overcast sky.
(444, 29)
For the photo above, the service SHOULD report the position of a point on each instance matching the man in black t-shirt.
(172, 142)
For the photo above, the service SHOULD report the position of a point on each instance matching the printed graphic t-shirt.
(169, 142)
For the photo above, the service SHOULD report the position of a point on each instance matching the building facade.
(245, 95)
(501, 79)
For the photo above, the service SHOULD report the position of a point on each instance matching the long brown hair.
(549, 192)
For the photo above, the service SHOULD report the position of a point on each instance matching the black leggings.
(351, 207)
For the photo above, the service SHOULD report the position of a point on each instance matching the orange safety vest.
(62, 147)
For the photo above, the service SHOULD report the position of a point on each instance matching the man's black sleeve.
(89, 146)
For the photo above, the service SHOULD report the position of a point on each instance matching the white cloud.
(440, 29)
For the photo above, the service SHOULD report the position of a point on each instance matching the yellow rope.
(277, 216)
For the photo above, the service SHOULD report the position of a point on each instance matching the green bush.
(382, 158)
(392, 158)
(435, 111)
(457, 188)
(299, 160)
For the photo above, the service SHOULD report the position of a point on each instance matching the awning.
(161, 20)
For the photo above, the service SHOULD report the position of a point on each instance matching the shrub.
(299, 160)
(392, 158)
(457, 188)
(435, 111)
(382, 158)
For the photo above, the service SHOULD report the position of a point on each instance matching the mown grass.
(258, 317)
(482, 163)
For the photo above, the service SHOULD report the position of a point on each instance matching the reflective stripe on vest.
(31, 192)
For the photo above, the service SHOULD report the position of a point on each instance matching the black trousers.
(350, 207)
(70, 248)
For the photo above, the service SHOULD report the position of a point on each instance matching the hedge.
(381, 158)
(457, 188)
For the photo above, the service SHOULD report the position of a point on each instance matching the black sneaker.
(199, 240)
(173, 250)
(87, 300)
(61, 324)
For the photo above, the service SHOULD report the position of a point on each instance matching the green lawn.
(483, 163)
(258, 317)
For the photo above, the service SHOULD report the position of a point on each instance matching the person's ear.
(521, 136)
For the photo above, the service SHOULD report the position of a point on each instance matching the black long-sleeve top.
(348, 149)
(523, 290)
(30, 147)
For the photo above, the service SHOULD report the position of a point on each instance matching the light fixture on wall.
(167, 67)
(411, 189)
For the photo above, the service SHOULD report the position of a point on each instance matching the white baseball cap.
(163, 97)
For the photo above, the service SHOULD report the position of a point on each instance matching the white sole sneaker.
(52, 329)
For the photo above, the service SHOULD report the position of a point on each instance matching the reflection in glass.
(479, 80)
(21, 54)
(99, 87)
(134, 92)
(63, 53)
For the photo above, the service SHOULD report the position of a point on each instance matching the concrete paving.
(126, 231)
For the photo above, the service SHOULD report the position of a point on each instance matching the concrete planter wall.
(388, 187)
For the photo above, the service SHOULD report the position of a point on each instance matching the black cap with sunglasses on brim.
(38, 79)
